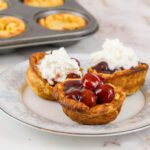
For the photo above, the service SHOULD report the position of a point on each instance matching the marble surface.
(127, 20)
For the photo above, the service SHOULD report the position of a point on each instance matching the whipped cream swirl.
(116, 55)
(56, 65)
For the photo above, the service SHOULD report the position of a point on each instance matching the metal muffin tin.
(35, 34)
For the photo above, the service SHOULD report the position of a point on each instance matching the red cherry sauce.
(72, 89)
(103, 67)
(90, 90)
(73, 75)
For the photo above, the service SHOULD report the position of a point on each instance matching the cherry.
(105, 94)
(73, 75)
(121, 68)
(91, 81)
(102, 66)
(88, 97)
(74, 94)
(77, 61)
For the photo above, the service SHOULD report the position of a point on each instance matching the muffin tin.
(35, 34)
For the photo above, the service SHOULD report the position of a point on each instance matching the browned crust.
(130, 80)
(100, 114)
(34, 79)
(34, 60)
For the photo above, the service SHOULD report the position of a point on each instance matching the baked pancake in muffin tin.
(11, 26)
(62, 22)
(44, 3)
(3, 5)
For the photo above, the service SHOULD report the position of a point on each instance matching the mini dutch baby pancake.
(11, 26)
(46, 69)
(119, 66)
(62, 22)
(90, 100)
(3, 5)
(44, 3)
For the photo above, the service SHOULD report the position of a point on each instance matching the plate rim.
(74, 134)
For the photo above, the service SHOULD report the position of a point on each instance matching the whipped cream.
(56, 65)
(116, 55)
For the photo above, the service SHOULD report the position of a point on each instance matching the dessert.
(46, 69)
(11, 26)
(44, 3)
(90, 100)
(62, 22)
(3, 5)
(119, 66)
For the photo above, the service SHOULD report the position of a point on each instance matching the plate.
(18, 101)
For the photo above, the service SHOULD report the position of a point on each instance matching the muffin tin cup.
(35, 33)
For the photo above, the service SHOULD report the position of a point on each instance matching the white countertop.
(127, 20)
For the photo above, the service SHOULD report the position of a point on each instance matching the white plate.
(18, 101)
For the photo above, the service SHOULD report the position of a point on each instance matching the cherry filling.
(91, 81)
(91, 90)
(73, 75)
(73, 89)
(72, 84)
(103, 67)
(88, 97)
(105, 94)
